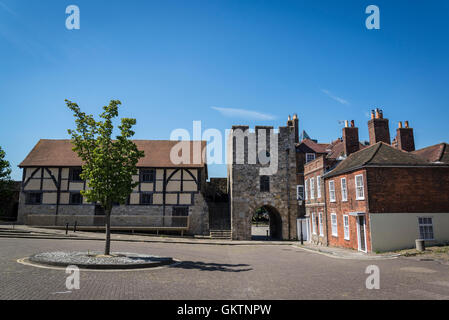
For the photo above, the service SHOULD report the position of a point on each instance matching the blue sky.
(173, 62)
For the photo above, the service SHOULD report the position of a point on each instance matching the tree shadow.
(202, 266)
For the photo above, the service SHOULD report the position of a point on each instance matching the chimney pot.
(295, 116)
(400, 125)
(352, 124)
(346, 124)
(406, 124)
(377, 114)
(372, 114)
(289, 118)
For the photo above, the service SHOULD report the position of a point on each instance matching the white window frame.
(312, 188)
(357, 188)
(426, 224)
(306, 189)
(310, 154)
(320, 224)
(334, 224)
(318, 187)
(346, 229)
(313, 223)
(344, 191)
(332, 197)
(299, 194)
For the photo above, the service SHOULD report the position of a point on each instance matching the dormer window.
(310, 157)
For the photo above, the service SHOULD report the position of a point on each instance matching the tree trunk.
(107, 249)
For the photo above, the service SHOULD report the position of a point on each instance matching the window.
(300, 192)
(313, 223)
(180, 211)
(346, 226)
(264, 184)
(307, 189)
(310, 157)
(332, 191)
(360, 194)
(75, 174)
(334, 225)
(147, 175)
(312, 188)
(425, 228)
(146, 198)
(76, 198)
(33, 198)
(344, 190)
(318, 187)
(320, 222)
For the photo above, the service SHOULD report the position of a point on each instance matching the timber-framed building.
(169, 196)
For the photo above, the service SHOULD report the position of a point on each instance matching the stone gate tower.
(262, 174)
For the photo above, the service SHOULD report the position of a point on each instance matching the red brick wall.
(313, 169)
(344, 208)
(414, 190)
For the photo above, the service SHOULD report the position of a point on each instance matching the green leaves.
(108, 164)
(5, 169)
(6, 184)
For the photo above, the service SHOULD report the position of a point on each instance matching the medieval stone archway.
(266, 224)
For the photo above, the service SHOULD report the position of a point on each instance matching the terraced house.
(169, 196)
(382, 197)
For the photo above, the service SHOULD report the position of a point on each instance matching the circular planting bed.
(96, 260)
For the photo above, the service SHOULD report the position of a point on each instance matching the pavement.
(224, 272)
(21, 231)
(341, 253)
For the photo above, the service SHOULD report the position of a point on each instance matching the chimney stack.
(350, 138)
(378, 128)
(296, 125)
(405, 138)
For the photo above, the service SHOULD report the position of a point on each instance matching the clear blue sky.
(170, 62)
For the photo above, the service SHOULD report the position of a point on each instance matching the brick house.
(168, 195)
(315, 192)
(381, 197)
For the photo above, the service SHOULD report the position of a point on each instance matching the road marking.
(429, 295)
(63, 292)
(418, 269)
(441, 283)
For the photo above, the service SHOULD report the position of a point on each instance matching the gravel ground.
(83, 258)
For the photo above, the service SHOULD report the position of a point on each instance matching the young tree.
(6, 184)
(108, 164)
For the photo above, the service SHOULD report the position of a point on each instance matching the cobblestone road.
(219, 272)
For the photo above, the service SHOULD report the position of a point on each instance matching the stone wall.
(244, 184)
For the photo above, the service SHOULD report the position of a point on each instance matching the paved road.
(219, 272)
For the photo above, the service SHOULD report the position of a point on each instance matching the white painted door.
(305, 229)
(361, 233)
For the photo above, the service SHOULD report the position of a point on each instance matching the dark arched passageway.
(266, 224)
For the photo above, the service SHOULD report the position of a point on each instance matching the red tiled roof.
(435, 153)
(59, 153)
(317, 147)
(379, 154)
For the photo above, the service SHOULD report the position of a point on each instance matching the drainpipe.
(325, 211)
(288, 191)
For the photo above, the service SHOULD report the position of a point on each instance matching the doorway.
(266, 224)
